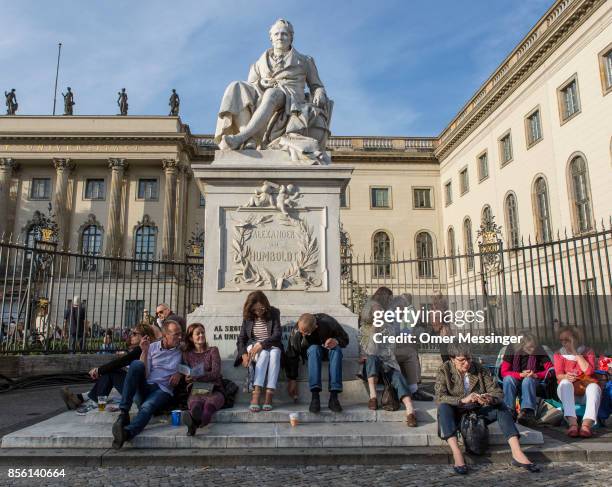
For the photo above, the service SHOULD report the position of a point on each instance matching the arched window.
(381, 250)
(91, 244)
(512, 224)
(451, 251)
(542, 210)
(424, 252)
(468, 243)
(32, 235)
(579, 180)
(486, 215)
(145, 243)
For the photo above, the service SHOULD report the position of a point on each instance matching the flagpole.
(59, 52)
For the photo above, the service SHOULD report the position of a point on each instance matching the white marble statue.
(274, 104)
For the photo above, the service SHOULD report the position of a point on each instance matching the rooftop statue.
(174, 103)
(272, 110)
(11, 102)
(68, 102)
(122, 101)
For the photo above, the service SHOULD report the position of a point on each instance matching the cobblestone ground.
(500, 475)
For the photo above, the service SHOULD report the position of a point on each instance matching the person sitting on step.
(523, 366)
(202, 405)
(462, 386)
(379, 358)
(575, 371)
(259, 343)
(109, 375)
(153, 378)
(313, 338)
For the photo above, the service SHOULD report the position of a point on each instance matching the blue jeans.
(374, 366)
(527, 392)
(315, 357)
(449, 419)
(105, 383)
(153, 398)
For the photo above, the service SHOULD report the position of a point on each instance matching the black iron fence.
(39, 285)
(535, 286)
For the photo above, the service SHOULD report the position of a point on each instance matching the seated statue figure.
(272, 109)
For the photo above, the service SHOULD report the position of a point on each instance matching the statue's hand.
(320, 98)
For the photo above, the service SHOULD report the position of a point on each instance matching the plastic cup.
(102, 403)
(294, 419)
(176, 417)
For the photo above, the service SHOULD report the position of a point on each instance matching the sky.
(394, 68)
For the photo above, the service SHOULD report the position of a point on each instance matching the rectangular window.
(422, 197)
(380, 198)
(448, 193)
(569, 102)
(40, 189)
(464, 181)
(533, 128)
(505, 148)
(202, 201)
(147, 189)
(344, 201)
(605, 68)
(590, 303)
(483, 166)
(133, 312)
(94, 189)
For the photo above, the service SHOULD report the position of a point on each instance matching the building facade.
(532, 149)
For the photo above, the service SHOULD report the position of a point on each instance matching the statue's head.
(281, 34)
(68, 88)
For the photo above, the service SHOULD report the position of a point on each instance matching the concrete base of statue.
(271, 224)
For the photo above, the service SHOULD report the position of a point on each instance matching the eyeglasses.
(134, 332)
(159, 313)
(463, 360)
(564, 340)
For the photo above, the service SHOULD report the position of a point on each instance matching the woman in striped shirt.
(259, 342)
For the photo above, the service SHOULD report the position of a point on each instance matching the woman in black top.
(109, 375)
(259, 343)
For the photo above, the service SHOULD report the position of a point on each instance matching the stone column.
(63, 168)
(170, 167)
(7, 166)
(114, 233)
(181, 211)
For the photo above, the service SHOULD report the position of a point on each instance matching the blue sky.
(392, 67)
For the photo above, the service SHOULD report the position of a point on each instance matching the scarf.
(531, 362)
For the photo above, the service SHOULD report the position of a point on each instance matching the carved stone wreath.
(300, 269)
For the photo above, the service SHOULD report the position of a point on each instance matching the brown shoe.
(411, 421)
(373, 404)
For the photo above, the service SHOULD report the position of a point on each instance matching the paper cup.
(294, 419)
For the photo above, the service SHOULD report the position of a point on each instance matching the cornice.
(555, 26)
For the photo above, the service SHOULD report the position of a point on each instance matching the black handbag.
(389, 401)
(475, 433)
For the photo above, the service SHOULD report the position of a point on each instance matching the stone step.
(68, 430)
(425, 412)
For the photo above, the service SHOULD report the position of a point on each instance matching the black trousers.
(449, 419)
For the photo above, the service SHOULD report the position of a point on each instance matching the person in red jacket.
(574, 362)
(522, 367)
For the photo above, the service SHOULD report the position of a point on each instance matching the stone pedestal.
(273, 225)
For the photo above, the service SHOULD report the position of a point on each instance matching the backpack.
(389, 400)
(475, 433)
(230, 393)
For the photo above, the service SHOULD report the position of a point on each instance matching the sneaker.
(87, 406)
(334, 404)
(71, 400)
(315, 403)
(421, 395)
